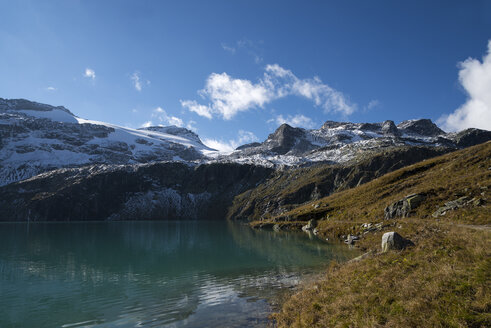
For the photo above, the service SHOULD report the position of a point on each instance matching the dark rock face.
(394, 241)
(471, 137)
(285, 139)
(129, 192)
(403, 207)
(389, 128)
(422, 127)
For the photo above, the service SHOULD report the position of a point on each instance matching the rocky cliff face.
(129, 192)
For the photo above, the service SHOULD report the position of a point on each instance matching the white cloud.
(229, 96)
(191, 126)
(298, 120)
(243, 137)
(51, 89)
(228, 48)
(373, 103)
(251, 48)
(246, 137)
(89, 73)
(286, 83)
(475, 77)
(138, 81)
(201, 110)
(166, 119)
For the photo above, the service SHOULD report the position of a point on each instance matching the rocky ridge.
(340, 142)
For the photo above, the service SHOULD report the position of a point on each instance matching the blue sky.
(234, 70)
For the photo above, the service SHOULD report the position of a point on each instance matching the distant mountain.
(35, 138)
(339, 142)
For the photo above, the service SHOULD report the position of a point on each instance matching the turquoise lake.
(150, 274)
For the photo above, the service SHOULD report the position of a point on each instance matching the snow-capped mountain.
(36, 137)
(339, 142)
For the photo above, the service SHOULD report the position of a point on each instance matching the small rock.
(351, 239)
(393, 240)
(478, 202)
(311, 225)
(361, 257)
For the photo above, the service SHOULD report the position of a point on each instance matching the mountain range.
(36, 138)
(55, 165)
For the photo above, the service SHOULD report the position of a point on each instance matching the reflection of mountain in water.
(125, 272)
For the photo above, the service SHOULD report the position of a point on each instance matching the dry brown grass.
(443, 281)
(444, 178)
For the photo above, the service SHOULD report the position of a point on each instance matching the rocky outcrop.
(456, 204)
(403, 207)
(394, 241)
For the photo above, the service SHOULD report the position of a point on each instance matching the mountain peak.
(284, 138)
(424, 127)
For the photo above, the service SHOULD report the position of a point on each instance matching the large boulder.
(394, 241)
(403, 207)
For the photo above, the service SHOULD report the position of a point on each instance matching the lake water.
(150, 274)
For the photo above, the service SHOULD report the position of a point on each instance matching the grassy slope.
(442, 281)
(287, 189)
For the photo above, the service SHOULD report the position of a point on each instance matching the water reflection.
(131, 274)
